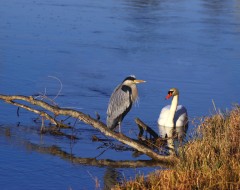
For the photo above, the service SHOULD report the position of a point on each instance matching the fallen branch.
(86, 119)
(143, 127)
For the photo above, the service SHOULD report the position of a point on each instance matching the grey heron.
(121, 100)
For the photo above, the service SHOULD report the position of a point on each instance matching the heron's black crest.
(132, 77)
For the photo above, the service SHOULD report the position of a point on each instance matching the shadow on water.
(111, 177)
(18, 137)
(177, 136)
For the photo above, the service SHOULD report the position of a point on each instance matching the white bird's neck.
(172, 111)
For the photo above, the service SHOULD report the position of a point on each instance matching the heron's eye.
(170, 92)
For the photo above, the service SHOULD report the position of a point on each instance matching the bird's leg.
(119, 125)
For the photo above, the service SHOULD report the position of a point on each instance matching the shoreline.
(209, 161)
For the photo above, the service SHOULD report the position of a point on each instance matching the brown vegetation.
(210, 161)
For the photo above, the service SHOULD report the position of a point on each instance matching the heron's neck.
(173, 108)
(134, 93)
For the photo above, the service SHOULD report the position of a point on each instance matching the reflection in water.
(17, 138)
(176, 136)
(111, 178)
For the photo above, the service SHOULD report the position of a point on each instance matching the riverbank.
(210, 161)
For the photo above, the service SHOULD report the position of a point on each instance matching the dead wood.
(56, 111)
(143, 127)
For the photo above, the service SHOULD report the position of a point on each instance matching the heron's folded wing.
(119, 103)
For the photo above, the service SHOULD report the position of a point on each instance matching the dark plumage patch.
(130, 78)
(126, 88)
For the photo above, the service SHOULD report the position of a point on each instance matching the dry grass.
(210, 161)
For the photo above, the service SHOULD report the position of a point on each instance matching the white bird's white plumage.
(173, 115)
(172, 118)
(180, 117)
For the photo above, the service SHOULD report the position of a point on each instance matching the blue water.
(91, 46)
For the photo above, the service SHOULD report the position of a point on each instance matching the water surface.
(91, 46)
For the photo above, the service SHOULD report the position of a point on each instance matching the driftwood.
(21, 101)
(143, 127)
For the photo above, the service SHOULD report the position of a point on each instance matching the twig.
(95, 179)
(104, 151)
(214, 106)
(60, 86)
(42, 126)
(41, 113)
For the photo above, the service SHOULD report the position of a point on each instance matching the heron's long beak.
(139, 81)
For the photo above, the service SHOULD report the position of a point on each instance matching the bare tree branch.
(41, 113)
(143, 127)
(60, 86)
(88, 120)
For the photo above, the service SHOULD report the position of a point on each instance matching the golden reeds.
(210, 161)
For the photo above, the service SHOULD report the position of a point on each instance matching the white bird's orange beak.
(168, 96)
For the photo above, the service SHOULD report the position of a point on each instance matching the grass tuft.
(210, 161)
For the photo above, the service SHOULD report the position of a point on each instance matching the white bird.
(172, 117)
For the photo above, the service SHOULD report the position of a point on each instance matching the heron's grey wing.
(118, 104)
